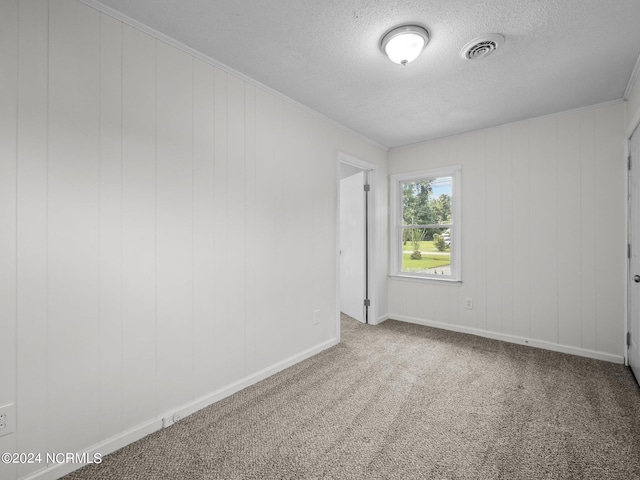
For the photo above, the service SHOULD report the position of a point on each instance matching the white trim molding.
(374, 240)
(554, 347)
(396, 224)
(142, 430)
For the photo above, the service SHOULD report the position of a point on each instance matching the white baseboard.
(116, 442)
(206, 400)
(555, 347)
(382, 319)
(53, 472)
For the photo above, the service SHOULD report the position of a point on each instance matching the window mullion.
(435, 225)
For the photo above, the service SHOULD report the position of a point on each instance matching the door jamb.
(372, 232)
(627, 292)
(634, 131)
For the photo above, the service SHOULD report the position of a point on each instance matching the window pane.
(427, 201)
(426, 251)
(426, 239)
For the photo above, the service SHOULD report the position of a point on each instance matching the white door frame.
(631, 286)
(353, 261)
(633, 128)
(344, 158)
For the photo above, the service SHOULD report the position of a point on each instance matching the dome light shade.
(403, 44)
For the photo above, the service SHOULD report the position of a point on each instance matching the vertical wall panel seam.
(155, 224)
(255, 194)
(557, 227)
(504, 216)
(513, 249)
(17, 221)
(213, 207)
(100, 212)
(503, 133)
(482, 228)
(480, 254)
(486, 223)
(47, 318)
(579, 244)
(226, 206)
(244, 201)
(243, 180)
(193, 219)
(245, 155)
(193, 222)
(528, 194)
(593, 229)
(122, 371)
(252, 193)
(16, 157)
(244, 220)
(592, 232)
(580, 166)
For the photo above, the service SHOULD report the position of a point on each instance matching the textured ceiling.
(325, 54)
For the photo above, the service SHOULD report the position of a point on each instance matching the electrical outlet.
(7, 419)
(468, 303)
(316, 317)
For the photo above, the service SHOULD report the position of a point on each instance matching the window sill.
(419, 279)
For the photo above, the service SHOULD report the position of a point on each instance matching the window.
(425, 219)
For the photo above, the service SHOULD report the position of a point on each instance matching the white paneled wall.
(111, 266)
(544, 233)
(167, 230)
(32, 193)
(8, 217)
(73, 227)
(138, 275)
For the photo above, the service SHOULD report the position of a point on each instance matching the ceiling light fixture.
(403, 44)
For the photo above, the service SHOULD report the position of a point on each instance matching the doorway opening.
(633, 276)
(356, 286)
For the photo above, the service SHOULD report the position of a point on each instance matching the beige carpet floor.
(401, 401)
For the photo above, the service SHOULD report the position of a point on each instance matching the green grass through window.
(431, 257)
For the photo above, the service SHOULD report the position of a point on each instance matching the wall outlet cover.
(7, 419)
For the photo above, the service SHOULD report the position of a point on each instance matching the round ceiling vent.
(482, 46)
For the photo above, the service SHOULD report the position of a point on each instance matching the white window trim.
(395, 242)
